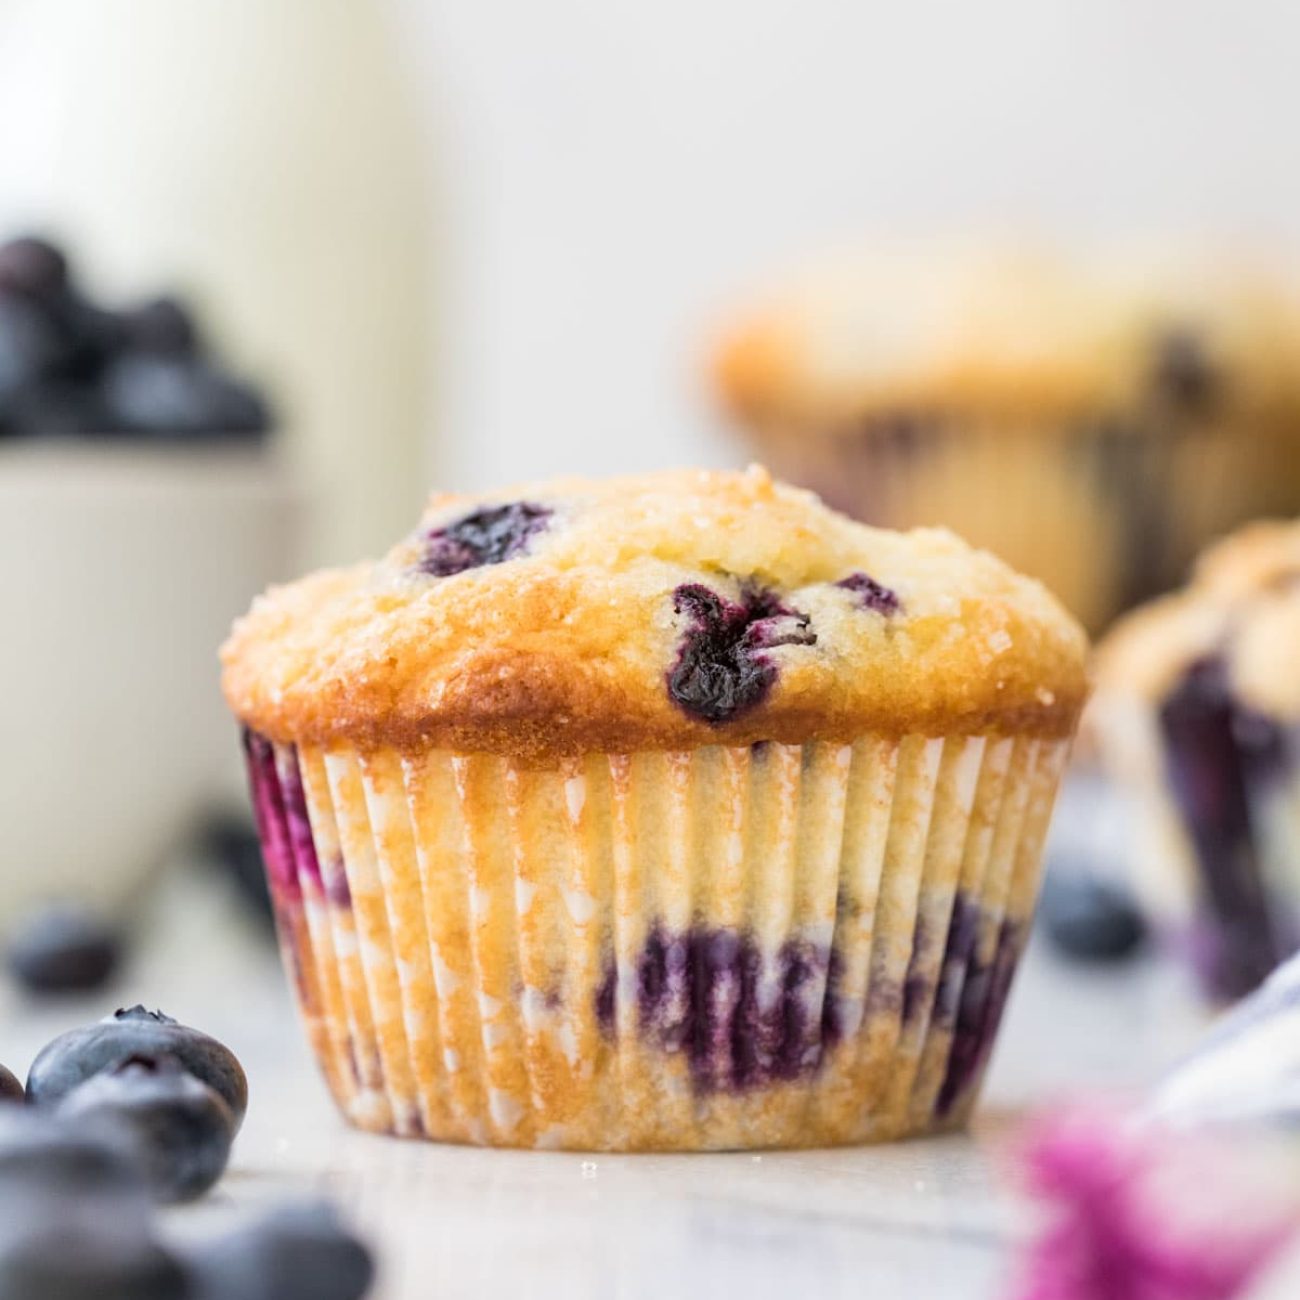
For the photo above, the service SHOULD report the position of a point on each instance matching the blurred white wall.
(612, 172)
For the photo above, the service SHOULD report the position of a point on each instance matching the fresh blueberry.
(182, 1127)
(162, 325)
(1088, 918)
(30, 348)
(62, 949)
(55, 1255)
(296, 1252)
(871, 594)
(56, 407)
(174, 394)
(74, 1057)
(41, 1154)
(721, 670)
(487, 536)
(76, 1214)
(32, 267)
(10, 1088)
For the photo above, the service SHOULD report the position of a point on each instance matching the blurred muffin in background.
(1197, 711)
(1092, 423)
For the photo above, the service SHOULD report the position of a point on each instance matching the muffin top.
(664, 611)
(933, 330)
(1241, 609)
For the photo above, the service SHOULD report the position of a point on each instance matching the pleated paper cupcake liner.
(1105, 517)
(723, 948)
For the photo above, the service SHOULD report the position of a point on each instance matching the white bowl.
(121, 566)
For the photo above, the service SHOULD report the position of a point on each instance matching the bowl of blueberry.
(141, 506)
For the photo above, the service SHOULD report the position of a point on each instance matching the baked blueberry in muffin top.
(669, 610)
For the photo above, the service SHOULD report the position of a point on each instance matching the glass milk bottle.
(266, 157)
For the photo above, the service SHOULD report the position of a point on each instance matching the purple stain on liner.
(606, 999)
(337, 889)
(741, 1023)
(268, 807)
(871, 594)
(983, 1000)
(721, 670)
(297, 819)
(490, 535)
(1217, 755)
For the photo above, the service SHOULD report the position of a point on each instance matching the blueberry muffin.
(1094, 424)
(1197, 711)
(669, 812)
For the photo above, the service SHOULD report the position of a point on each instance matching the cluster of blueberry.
(121, 1114)
(70, 366)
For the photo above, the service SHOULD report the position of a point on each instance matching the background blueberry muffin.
(666, 812)
(1093, 422)
(1197, 712)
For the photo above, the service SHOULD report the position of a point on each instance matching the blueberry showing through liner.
(871, 594)
(721, 670)
(741, 1020)
(62, 949)
(1090, 919)
(487, 536)
(1216, 753)
(73, 1057)
(10, 1088)
(181, 1126)
(296, 1252)
(178, 394)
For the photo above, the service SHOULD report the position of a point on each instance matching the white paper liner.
(725, 948)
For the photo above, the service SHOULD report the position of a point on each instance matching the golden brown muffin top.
(942, 329)
(664, 611)
(1242, 607)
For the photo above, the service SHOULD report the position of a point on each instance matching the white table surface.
(933, 1218)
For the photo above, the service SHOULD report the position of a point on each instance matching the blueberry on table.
(62, 949)
(76, 1216)
(46, 1156)
(1088, 918)
(74, 1057)
(297, 1252)
(181, 1127)
(50, 1258)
